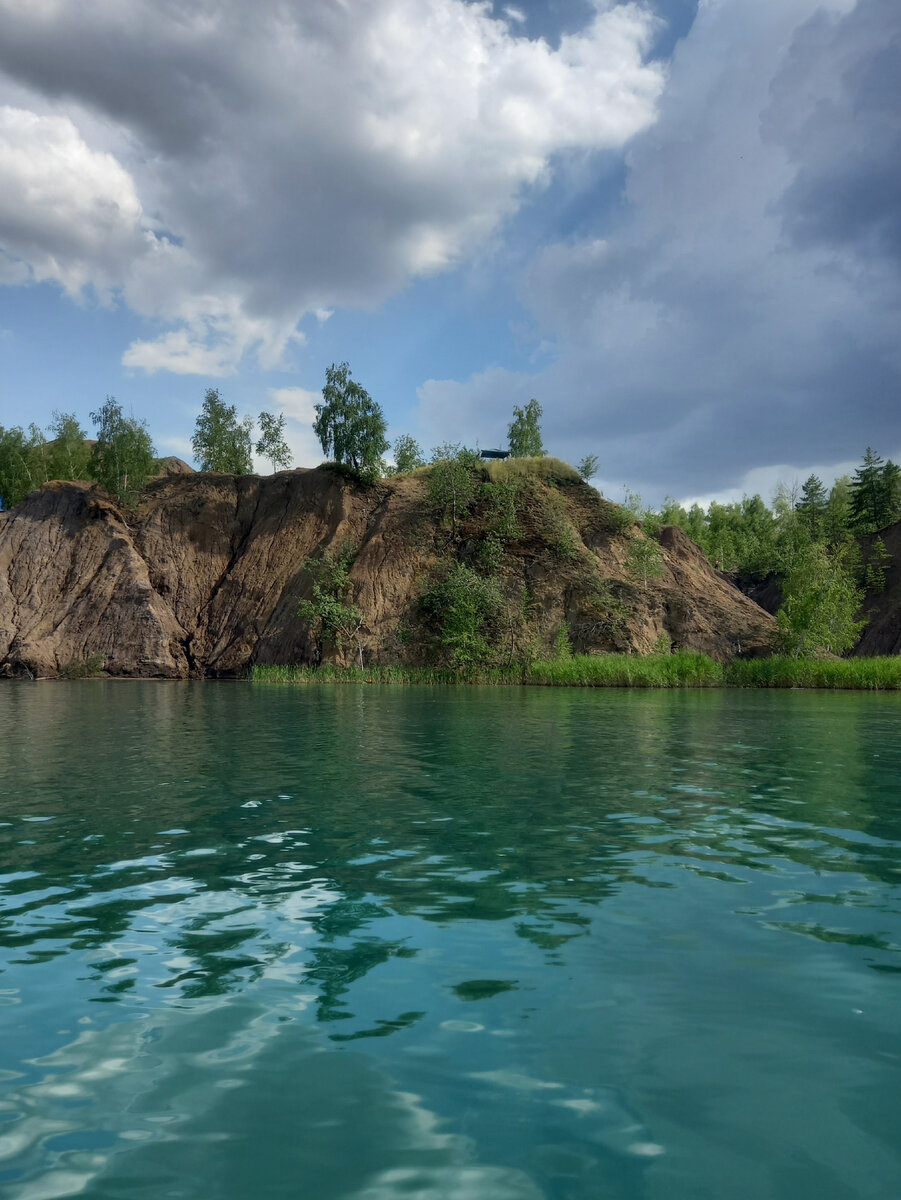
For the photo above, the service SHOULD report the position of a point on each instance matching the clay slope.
(882, 634)
(205, 577)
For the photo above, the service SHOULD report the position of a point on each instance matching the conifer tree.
(812, 506)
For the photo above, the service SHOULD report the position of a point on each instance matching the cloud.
(236, 168)
(67, 212)
(743, 310)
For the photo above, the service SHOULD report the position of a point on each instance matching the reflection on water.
(377, 943)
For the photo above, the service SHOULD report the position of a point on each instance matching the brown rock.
(206, 575)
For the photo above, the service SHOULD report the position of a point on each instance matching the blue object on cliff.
(495, 454)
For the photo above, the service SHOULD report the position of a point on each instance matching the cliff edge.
(205, 575)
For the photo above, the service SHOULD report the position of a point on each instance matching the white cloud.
(293, 157)
(67, 212)
(298, 406)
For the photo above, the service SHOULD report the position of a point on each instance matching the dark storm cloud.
(745, 309)
(845, 141)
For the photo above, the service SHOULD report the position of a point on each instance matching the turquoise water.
(360, 943)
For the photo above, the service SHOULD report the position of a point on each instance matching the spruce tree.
(812, 506)
(867, 494)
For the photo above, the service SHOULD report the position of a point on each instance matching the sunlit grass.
(866, 674)
(684, 669)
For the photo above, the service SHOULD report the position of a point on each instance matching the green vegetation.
(407, 455)
(221, 442)
(551, 470)
(588, 466)
(680, 670)
(644, 560)
(350, 425)
(821, 602)
(524, 432)
(271, 443)
(123, 456)
(89, 666)
(463, 610)
(332, 616)
(755, 539)
(453, 483)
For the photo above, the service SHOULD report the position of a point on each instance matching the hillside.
(205, 576)
(882, 633)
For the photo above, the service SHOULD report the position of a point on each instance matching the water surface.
(342, 943)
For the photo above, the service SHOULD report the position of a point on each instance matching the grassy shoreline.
(685, 669)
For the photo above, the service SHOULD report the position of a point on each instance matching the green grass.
(864, 674)
(684, 669)
(553, 470)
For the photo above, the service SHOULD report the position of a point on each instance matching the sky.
(677, 224)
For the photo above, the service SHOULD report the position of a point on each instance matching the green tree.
(644, 560)
(464, 611)
(875, 562)
(891, 491)
(837, 517)
(332, 615)
(821, 602)
(272, 444)
(19, 471)
(589, 466)
(452, 483)
(812, 506)
(123, 458)
(524, 432)
(221, 442)
(349, 424)
(407, 455)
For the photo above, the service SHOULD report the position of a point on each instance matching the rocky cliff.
(205, 576)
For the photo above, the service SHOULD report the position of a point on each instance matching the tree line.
(350, 426)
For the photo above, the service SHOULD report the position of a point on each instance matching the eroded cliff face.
(205, 577)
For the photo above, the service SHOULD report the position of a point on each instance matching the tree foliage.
(332, 615)
(588, 466)
(28, 459)
(350, 425)
(464, 611)
(644, 560)
(271, 443)
(123, 458)
(221, 442)
(875, 493)
(452, 483)
(524, 432)
(407, 455)
(820, 603)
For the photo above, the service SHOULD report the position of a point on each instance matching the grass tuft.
(683, 669)
(551, 470)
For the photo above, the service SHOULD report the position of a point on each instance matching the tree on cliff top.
(221, 442)
(525, 431)
(350, 425)
(272, 444)
(123, 458)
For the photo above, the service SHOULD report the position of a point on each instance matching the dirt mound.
(206, 575)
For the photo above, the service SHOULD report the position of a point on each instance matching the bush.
(87, 667)
(462, 610)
